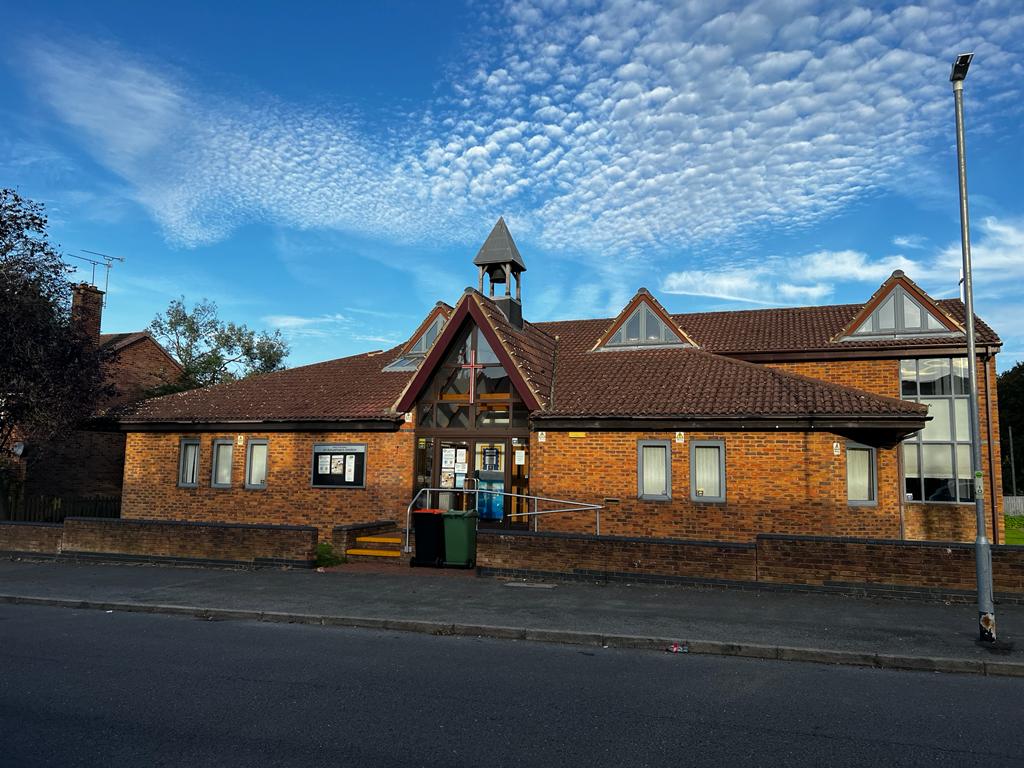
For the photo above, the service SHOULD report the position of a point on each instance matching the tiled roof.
(570, 380)
(531, 348)
(350, 388)
(802, 329)
(689, 383)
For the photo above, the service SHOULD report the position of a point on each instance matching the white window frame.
(872, 468)
(188, 441)
(248, 463)
(694, 445)
(214, 458)
(640, 445)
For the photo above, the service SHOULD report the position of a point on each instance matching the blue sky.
(331, 171)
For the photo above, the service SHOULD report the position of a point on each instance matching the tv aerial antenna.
(107, 262)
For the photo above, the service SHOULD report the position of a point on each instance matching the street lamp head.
(960, 67)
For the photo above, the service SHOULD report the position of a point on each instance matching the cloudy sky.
(332, 173)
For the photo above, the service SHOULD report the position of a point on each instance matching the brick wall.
(151, 481)
(163, 540)
(813, 561)
(521, 552)
(779, 482)
(139, 367)
(933, 565)
(26, 538)
(935, 522)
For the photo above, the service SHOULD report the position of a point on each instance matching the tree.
(212, 351)
(51, 374)
(1010, 391)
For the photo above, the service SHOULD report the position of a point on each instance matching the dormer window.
(417, 350)
(644, 328)
(900, 314)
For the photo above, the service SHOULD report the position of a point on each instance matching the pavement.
(828, 628)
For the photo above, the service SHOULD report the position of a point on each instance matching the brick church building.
(841, 421)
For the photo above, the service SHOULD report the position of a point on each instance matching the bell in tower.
(500, 261)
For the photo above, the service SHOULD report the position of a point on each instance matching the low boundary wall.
(877, 566)
(30, 539)
(162, 541)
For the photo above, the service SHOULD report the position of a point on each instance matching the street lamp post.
(982, 548)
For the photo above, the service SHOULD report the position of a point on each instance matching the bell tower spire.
(499, 259)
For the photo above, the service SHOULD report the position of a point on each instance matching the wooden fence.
(53, 509)
(1013, 505)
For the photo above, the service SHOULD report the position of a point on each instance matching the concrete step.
(379, 539)
(358, 552)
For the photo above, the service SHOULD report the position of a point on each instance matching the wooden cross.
(472, 366)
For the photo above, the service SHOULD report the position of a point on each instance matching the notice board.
(339, 465)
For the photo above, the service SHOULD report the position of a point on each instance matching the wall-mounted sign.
(520, 458)
(447, 458)
(542, 437)
(339, 465)
(836, 449)
(577, 434)
(680, 437)
(490, 459)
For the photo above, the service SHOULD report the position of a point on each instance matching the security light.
(960, 67)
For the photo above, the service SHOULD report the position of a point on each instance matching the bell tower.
(500, 261)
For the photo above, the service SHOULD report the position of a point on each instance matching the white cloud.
(614, 128)
(910, 241)
(997, 264)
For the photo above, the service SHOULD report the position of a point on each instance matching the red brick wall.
(934, 565)
(151, 481)
(780, 482)
(793, 560)
(148, 539)
(41, 538)
(567, 553)
(138, 368)
(936, 522)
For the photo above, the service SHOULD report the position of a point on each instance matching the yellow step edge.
(374, 552)
(380, 539)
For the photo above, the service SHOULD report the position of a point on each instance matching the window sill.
(654, 498)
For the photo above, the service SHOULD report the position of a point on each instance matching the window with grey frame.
(900, 314)
(654, 470)
(707, 470)
(188, 463)
(643, 328)
(937, 460)
(256, 464)
(220, 472)
(861, 477)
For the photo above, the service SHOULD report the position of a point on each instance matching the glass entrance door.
(490, 480)
(453, 469)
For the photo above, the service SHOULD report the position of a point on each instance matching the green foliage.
(1010, 390)
(212, 351)
(51, 375)
(325, 556)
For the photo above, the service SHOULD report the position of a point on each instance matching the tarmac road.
(89, 688)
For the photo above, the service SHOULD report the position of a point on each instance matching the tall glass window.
(937, 460)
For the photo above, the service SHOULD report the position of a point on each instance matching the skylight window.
(643, 328)
(899, 314)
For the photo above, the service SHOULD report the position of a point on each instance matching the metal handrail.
(577, 506)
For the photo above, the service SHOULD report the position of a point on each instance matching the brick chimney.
(87, 310)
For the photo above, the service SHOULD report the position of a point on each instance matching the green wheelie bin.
(459, 539)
